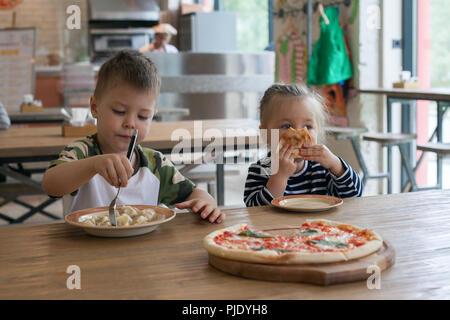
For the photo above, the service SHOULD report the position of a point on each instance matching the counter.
(210, 85)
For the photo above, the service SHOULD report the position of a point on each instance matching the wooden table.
(18, 145)
(405, 96)
(22, 144)
(171, 263)
(47, 115)
(417, 94)
(55, 115)
(48, 141)
(35, 142)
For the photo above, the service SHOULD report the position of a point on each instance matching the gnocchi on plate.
(125, 216)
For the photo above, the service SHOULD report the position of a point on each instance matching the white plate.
(307, 203)
(76, 218)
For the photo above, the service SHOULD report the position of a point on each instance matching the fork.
(112, 205)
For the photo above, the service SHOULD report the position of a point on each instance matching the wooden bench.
(353, 134)
(401, 140)
(441, 150)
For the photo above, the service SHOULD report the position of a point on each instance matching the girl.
(318, 172)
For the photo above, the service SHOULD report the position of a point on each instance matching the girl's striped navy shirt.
(312, 179)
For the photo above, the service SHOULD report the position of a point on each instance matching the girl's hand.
(286, 162)
(114, 167)
(205, 208)
(324, 156)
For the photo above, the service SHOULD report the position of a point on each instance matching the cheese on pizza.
(315, 241)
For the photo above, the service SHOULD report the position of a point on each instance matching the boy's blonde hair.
(294, 91)
(131, 67)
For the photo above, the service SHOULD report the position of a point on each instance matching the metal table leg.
(220, 183)
(407, 166)
(441, 109)
(389, 148)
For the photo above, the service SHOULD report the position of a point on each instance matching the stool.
(352, 134)
(400, 140)
(442, 150)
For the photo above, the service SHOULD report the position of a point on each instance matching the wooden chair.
(401, 140)
(353, 134)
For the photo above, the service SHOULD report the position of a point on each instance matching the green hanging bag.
(329, 61)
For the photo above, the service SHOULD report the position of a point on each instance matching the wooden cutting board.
(321, 274)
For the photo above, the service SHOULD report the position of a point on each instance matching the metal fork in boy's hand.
(112, 205)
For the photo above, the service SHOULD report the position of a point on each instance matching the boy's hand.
(324, 156)
(205, 208)
(114, 167)
(286, 162)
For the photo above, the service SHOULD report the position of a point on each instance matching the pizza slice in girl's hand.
(296, 138)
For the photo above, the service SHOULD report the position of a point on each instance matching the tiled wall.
(49, 17)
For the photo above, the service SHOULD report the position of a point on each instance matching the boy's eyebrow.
(127, 106)
(118, 102)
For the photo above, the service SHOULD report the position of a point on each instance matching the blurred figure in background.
(163, 33)
(5, 122)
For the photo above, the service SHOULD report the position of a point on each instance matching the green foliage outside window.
(440, 43)
(252, 23)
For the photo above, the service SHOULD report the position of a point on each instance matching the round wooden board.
(321, 274)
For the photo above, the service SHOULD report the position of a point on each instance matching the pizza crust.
(273, 257)
(358, 252)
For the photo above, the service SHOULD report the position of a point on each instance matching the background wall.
(54, 40)
(49, 18)
(375, 64)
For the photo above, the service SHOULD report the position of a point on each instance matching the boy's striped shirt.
(312, 179)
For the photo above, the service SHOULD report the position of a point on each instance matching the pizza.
(296, 138)
(315, 241)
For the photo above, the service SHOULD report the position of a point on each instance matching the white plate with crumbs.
(132, 220)
(307, 203)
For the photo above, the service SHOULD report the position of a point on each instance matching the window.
(433, 69)
(439, 14)
(252, 23)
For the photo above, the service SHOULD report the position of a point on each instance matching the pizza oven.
(116, 25)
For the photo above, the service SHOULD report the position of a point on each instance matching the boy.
(88, 171)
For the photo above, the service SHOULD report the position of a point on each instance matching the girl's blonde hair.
(294, 91)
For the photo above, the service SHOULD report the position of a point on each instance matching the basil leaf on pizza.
(328, 243)
(307, 232)
(282, 250)
(343, 242)
(250, 233)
